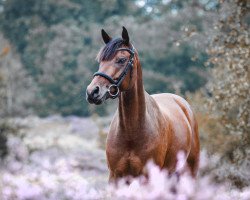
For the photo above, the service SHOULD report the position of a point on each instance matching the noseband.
(113, 89)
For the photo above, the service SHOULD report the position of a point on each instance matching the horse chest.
(129, 158)
(124, 163)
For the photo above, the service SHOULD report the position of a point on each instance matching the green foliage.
(17, 88)
(177, 62)
(58, 41)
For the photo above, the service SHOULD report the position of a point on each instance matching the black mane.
(108, 52)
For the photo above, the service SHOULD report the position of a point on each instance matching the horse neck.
(132, 104)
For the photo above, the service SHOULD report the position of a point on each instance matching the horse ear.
(125, 36)
(106, 38)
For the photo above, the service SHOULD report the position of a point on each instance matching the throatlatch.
(113, 89)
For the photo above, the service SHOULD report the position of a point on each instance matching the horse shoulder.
(177, 111)
(175, 108)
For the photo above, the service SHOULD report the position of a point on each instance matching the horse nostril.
(95, 92)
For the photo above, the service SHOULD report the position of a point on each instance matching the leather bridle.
(113, 89)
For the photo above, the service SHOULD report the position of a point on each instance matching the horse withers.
(144, 126)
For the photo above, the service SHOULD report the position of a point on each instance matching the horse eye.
(121, 61)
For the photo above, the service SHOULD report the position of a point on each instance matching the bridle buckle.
(113, 91)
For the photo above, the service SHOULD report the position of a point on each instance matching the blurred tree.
(230, 52)
(17, 89)
(174, 45)
(56, 46)
(3, 140)
(62, 77)
(60, 39)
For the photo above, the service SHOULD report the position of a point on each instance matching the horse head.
(117, 63)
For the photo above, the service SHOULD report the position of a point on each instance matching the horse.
(144, 127)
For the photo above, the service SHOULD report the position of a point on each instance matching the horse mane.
(108, 52)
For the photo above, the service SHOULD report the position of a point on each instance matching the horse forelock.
(108, 52)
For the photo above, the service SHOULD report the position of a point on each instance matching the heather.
(62, 158)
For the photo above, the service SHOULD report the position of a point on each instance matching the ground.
(53, 154)
(58, 158)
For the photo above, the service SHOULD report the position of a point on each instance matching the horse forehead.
(123, 53)
(107, 67)
(109, 63)
(106, 64)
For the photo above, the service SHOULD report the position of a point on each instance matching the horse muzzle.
(94, 96)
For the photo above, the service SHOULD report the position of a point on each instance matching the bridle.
(116, 83)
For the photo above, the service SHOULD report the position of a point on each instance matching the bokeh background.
(52, 139)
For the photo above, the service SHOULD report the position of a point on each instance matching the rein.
(113, 89)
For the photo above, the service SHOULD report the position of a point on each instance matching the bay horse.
(144, 126)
